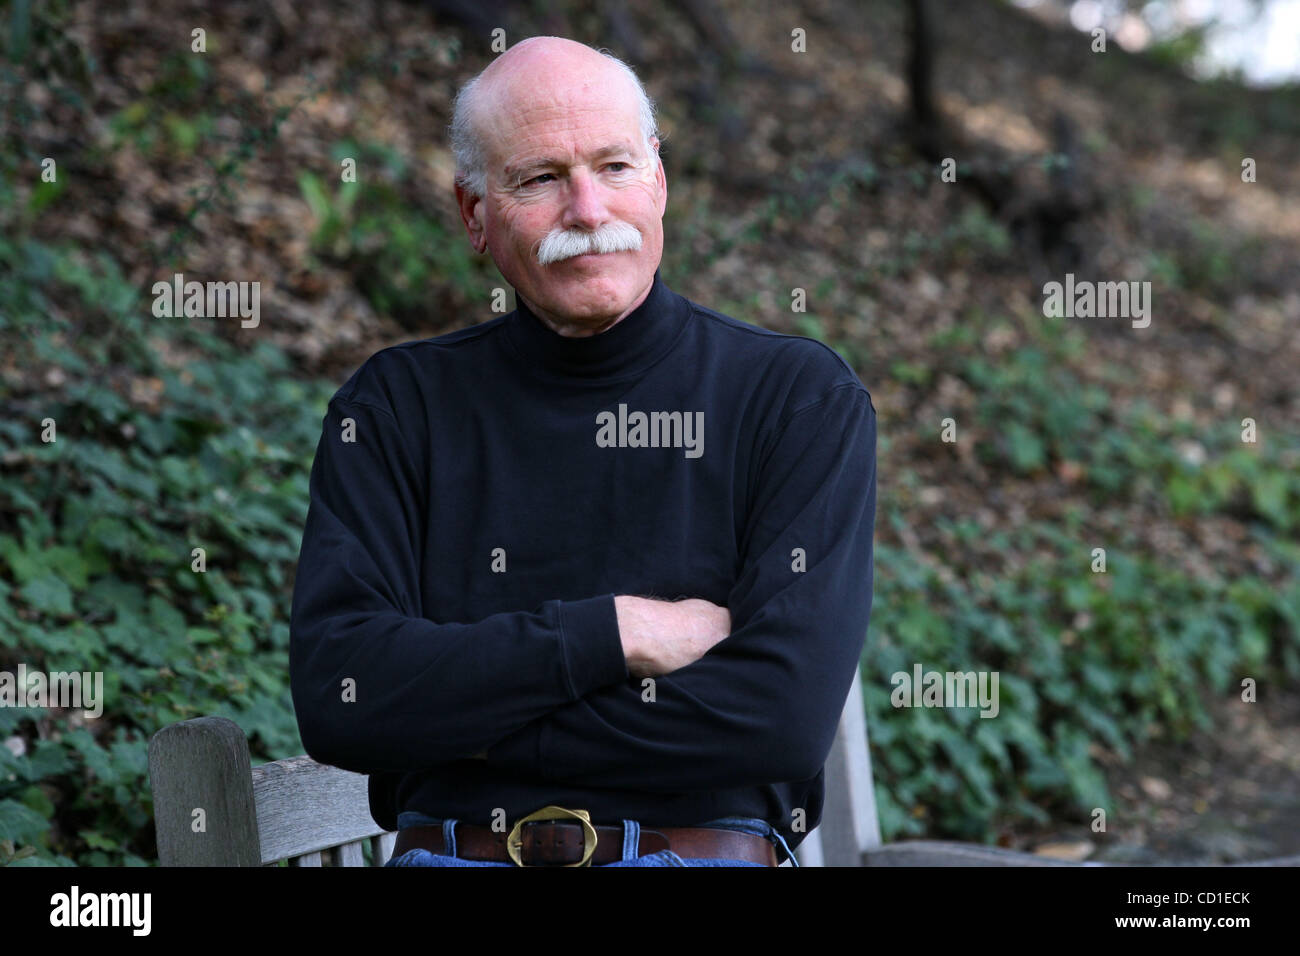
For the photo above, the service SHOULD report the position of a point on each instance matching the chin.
(591, 306)
(599, 283)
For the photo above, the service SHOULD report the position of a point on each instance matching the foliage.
(96, 562)
(1087, 663)
(1036, 415)
(171, 438)
(398, 254)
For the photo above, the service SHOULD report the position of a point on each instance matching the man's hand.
(661, 636)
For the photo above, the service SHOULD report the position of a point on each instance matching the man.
(606, 559)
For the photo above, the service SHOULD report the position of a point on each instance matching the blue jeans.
(631, 837)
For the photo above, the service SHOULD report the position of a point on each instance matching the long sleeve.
(763, 705)
(376, 685)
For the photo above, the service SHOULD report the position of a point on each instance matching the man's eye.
(537, 180)
(612, 165)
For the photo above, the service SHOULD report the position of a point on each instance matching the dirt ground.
(1229, 794)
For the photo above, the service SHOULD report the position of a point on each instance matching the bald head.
(540, 77)
(558, 177)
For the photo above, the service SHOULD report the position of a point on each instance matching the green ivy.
(95, 566)
(1156, 644)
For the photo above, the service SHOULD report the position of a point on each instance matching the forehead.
(570, 115)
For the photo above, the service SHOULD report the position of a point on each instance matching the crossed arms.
(745, 695)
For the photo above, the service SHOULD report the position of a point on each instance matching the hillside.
(786, 170)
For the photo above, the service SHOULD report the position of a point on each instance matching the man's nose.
(585, 208)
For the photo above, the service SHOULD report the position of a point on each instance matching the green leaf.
(97, 840)
(24, 565)
(20, 823)
(48, 594)
(1269, 496)
(1026, 448)
(202, 635)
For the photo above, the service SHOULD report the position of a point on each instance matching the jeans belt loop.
(631, 839)
(449, 836)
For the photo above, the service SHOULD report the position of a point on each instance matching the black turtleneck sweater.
(477, 500)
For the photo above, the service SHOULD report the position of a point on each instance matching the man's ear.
(471, 214)
(660, 179)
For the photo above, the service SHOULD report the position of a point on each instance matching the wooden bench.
(309, 814)
(297, 810)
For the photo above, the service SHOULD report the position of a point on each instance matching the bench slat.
(349, 854)
(941, 853)
(202, 765)
(305, 807)
(381, 848)
(848, 825)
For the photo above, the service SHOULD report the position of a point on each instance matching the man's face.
(569, 156)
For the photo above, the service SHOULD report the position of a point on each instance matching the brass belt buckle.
(515, 842)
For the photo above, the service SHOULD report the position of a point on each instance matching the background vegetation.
(176, 434)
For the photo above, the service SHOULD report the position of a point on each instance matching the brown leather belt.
(561, 843)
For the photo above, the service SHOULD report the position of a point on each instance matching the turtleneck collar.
(642, 337)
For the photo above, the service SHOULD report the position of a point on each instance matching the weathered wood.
(305, 807)
(381, 848)
(289, 809)
(939, 853)
(849, 825)
(1276, 861)
(349, 854)
(202, 765)
(809, 851)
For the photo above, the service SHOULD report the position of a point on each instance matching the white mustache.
(561, 244)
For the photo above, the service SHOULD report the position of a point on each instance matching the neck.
(581, 328)
(622, 347)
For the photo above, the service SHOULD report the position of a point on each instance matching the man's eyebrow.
(527, 166)
(612, 149)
